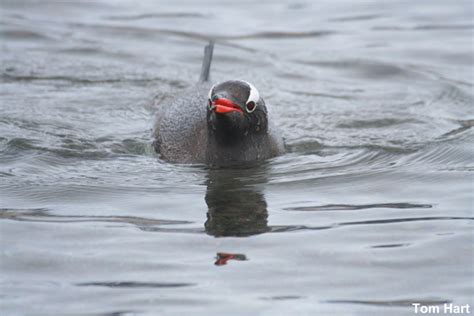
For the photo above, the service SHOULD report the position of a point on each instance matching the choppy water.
(370, 210)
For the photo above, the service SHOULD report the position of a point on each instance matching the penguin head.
(235, 110)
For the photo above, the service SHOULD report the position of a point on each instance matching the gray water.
(369, 211)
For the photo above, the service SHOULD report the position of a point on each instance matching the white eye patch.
(254, 95)
(210, 92)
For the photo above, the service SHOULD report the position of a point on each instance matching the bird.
(224, 124)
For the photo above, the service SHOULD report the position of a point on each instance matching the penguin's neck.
(227, 149)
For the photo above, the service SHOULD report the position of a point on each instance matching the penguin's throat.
(226, 135)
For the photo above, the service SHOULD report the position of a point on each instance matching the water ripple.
(352, 207)
(132, 285)
(164, 15)
(396, 303)
(43, 215)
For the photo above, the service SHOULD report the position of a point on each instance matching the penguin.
(221, 125)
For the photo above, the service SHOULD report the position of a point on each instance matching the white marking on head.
(210, 92)
(254, 95)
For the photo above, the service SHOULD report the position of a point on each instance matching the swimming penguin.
(221, 125)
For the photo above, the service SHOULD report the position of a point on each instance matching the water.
(370, 209)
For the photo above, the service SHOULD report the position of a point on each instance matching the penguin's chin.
(230, 125)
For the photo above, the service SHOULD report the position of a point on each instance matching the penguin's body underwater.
(221, 125)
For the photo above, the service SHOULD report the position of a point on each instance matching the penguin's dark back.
(180, 131)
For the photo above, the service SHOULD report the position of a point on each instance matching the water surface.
(370, 209)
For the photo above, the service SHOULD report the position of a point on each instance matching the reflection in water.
(236, 206)
(245, 225)
(223, 257)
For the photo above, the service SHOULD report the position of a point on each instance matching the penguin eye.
(250, 107)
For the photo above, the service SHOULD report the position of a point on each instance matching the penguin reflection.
(236, 206)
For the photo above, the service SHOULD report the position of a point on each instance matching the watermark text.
(446, 308)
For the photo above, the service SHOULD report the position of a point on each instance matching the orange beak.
(223, 106)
